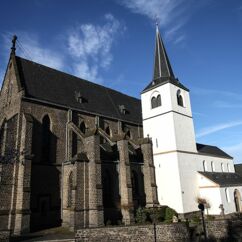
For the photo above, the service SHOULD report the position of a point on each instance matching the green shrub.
(141, 215)
(156, 215)
(195, 219)
(169, 214)
(210, 217)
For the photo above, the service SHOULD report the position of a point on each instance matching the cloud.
(87, 48)
(216, 128)
(170, 14)
(162, 10)
(31, 48)
(235, 150)
(90, 47)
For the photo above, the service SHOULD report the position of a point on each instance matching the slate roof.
(212, 150)
(224, 179)
(238, 169)
(163, 72)
(163, 80)
(50, 85)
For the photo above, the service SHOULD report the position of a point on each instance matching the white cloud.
(32, 49)
(170, 14)
(162, 10)
(90, 46)
(216, 128)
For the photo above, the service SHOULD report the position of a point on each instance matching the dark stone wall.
(147, 233)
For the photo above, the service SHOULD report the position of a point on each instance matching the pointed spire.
(13, 48)
(162, 66)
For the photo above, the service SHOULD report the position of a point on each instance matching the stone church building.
(73, 152)
(77, 154)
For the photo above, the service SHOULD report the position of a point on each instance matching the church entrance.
(237, 201)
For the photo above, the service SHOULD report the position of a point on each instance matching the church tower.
(167, 120)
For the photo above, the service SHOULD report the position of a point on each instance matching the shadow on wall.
(45, 201)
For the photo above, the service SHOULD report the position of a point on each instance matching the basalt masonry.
(148, 233)
(72, 152)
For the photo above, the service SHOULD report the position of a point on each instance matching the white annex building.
(185, 170)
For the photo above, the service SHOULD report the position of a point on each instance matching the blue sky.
(111, 42)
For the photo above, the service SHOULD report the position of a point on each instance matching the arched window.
(180, 99)
(227, 195)
(228, 167)
(237, 201)
(128, 134)
(108, 193)
(158, 100)
(46, 139)
(83, 127)
(107, 130)
(69, 192)
(204, 166)
(212, 166)
(153, 102)
(3, 131)
(222, 167)
(135, 184)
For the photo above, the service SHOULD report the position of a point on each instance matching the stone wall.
(4, 236)
(218, 229)
(164, 232)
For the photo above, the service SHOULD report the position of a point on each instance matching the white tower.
(167, 119)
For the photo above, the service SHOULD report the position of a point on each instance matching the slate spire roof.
(162, 66)
(163, 72)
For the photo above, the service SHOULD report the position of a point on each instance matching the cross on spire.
(162, 66)
(13, 48)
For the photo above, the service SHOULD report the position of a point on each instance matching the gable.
(11, 85)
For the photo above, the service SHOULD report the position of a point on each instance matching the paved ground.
(54, 235)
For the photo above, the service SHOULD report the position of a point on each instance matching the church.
(77, 154)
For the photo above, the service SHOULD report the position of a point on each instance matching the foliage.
(195, 219)
(210, 217)
(169, 214)
(141, 215)
(155, 215)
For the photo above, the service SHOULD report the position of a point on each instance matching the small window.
(227, 195)
(228, 167)
(158, 101)
(46, 139)
(204, 166)
(123, 109)
(156, 141)
(222, 167)
(107, 130)
(83, 127)
(180, 99)
(212, 166)
(153, 102)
